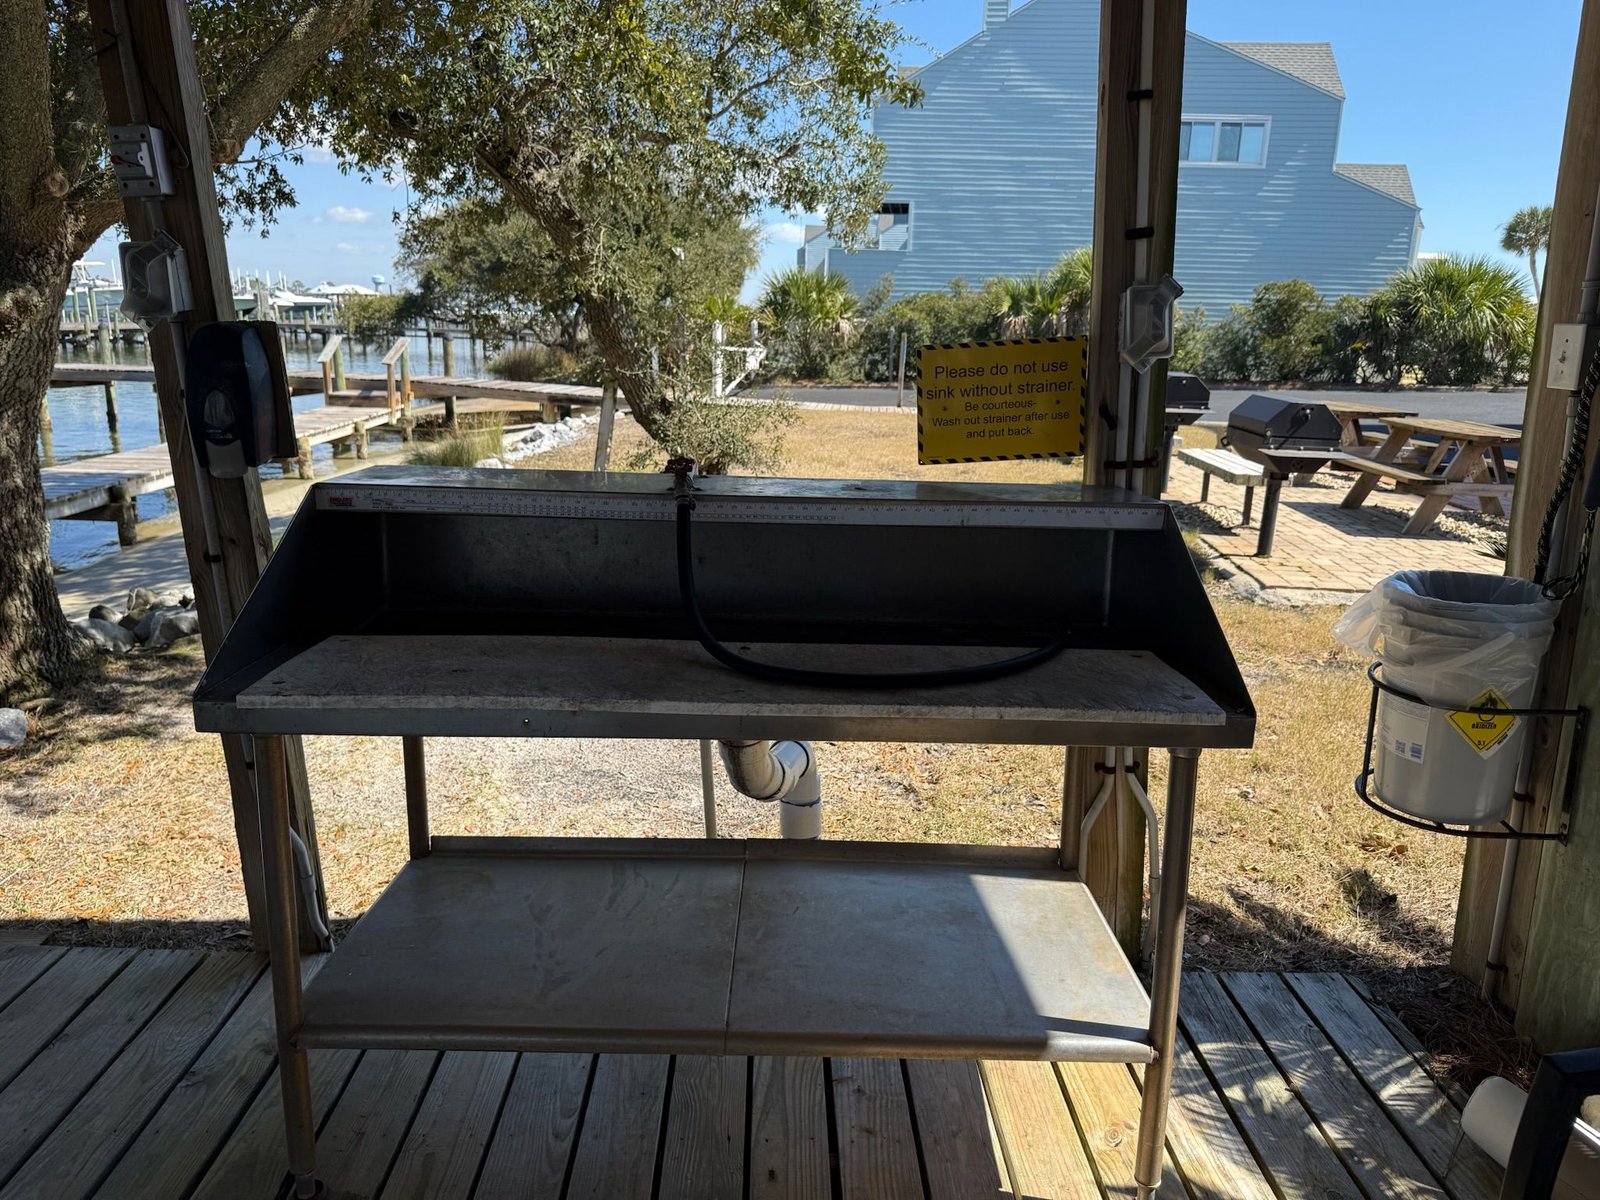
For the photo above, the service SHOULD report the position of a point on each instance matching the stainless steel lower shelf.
(739, 947)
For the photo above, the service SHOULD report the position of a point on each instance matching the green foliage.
(373, 318)
(957, 314)
(634, 133)
(1189, 340)
(1047, 303)
(544, 364)
(460, 451)
(1460, 320)
(1528, 233)
(722, 436)
(809, 319)
(489, 266)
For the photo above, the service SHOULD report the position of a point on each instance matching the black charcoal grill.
(1288, 437)
(1188, 399)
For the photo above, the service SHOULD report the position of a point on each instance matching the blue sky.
(1471, 95)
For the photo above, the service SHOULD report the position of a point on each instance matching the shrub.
(957, 314)
(461, 450)
(545, 364)
(747, 434)
(1460, 320)
(809, 317)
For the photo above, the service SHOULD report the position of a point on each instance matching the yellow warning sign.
(1485, 731)
(985, 401)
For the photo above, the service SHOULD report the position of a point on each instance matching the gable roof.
(1309, 62)
(1390, 178)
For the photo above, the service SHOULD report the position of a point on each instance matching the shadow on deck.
(140, 1074)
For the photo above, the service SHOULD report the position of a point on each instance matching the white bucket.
(1458, 641)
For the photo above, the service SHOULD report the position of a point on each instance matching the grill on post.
(1285, 436)
(1188, 399)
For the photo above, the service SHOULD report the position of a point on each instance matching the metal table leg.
(294, 1073)
(416, 796)
(1184, 766)
(1269, 516)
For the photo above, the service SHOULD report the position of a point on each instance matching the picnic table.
(1477, 466)
(1351, 413)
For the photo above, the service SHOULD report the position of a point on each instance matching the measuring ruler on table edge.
(713, 507)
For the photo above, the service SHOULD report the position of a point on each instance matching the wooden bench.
(1412, 482)
(1228, 466)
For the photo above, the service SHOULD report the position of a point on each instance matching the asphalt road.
(1492, 408)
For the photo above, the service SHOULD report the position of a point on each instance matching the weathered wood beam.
(1577, 183)
(1140, 107)
(148, 74)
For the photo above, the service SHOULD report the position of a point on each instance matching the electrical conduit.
(782, 771)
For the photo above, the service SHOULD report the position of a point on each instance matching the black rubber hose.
(837, 679)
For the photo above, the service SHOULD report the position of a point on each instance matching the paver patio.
(1324, 552)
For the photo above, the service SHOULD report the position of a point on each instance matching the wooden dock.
(150, 1075)
(106, 488)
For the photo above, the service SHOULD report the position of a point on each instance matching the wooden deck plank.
(953, 1130)
(71, 1161)
(47, 1088)
(188, 1130)
(872, 1118)
(704, 1149)
(1007, 1191)
(1397, 1029)
(1106, 1103)
(442, 1153)
(1044, 1156)
(1372, 1149)
(621, 1130)
(1423, 1114)
(789, 1130)
(533, 1143)
(361, 1137)
(20, 966)
(253, 1165)
(1279, 1129)
(1210, 1152)
(50, 1003)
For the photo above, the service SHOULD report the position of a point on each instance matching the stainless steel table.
(725, 946)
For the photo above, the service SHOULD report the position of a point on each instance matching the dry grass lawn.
(115, 821)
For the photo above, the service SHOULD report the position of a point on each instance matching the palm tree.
(1068, 283)
(1528, 232)
(811, 315)
(1458, 319)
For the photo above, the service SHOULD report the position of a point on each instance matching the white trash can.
(1458, 641)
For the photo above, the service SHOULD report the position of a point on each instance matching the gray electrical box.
(155, 279)
(139, 159)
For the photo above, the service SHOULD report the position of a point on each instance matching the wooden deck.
(150, 1074)
(96, 487)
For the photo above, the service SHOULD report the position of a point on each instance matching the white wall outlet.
(1566, 357)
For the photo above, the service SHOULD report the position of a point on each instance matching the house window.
(891, 228)
(1223, 141)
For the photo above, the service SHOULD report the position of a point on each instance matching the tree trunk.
(1533, 269)
(37, 645)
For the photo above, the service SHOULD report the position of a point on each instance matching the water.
(80, 430)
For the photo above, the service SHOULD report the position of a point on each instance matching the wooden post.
(608, 415)
(449, 348)
(147, 71)
(1136, 96)
(1539, 459)
(47, 436)
(338, 363)
(111, 404)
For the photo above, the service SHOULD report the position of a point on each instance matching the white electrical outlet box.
(139, 159)
(155, 279)
(1566, 358)
(1147, 322)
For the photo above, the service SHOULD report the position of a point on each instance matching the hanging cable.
(840, 679)
(1571, 470)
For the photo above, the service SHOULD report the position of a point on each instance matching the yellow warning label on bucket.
(1485, 731)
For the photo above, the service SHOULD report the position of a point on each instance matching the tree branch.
(248, 105)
